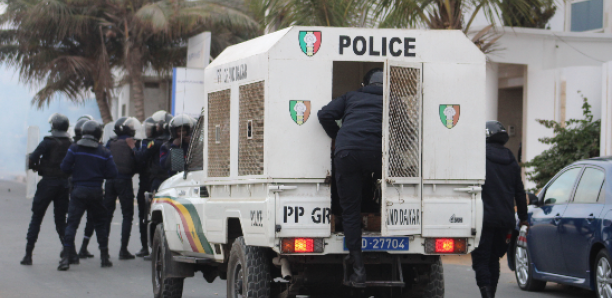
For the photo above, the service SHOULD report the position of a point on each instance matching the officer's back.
(89, 165)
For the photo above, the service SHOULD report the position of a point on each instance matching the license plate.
(369, 243)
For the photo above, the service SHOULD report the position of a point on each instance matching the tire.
(433, 287)
(603, 274)
(248, 271)
(523, 271)
(163, 287)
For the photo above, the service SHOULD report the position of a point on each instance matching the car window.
(589, 186)
(560, 190)
(195, 156)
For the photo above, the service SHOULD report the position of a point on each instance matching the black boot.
(64, 263)
(485, 292)
(83, 252)
(143, 252)
(358, 278)
(73, 256)
(62, 242)
(492, 290)
(124, 254)
(27, 259)
(105, 258)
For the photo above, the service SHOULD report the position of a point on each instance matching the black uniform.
(358, 153)
(157, 173)
(52, 188)
(89, 167)
(144, 185)
(121, 186)
(503, 187)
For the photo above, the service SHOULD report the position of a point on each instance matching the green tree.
(58, 45)
(153, 34)
(540, 13)
(574, 140)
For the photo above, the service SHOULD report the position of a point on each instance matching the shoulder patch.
(150, 144)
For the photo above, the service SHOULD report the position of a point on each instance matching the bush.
(577, 139)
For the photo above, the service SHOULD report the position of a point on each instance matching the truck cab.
(256, 202)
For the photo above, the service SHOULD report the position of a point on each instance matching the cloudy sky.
(16, 114)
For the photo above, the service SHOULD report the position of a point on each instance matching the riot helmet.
(373, 77)
(163, 119)
(59, 125)
(78, 128)
(126, 126)
(86, 117)
(118, 125)
(179, 122)
(151, 128)
(92, 132)
(496, 132)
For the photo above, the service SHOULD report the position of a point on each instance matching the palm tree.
(58, 44)
(153, 34)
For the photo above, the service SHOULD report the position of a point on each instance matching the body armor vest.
(50, 161)
(123, 156)
(155, 169)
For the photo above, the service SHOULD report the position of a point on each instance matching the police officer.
(89, 228)
(180, 132)
(150, 130)
(162, 131)
(358, 157)
(53, 187)
(122, 149)
(89, 163)
(503, 187)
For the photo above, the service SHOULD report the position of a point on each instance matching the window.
(587, 15)
(589, 186)
(560, 190)
(195, 156)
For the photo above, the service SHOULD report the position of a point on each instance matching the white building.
(544, 74)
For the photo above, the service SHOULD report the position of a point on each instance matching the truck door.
(401, 182)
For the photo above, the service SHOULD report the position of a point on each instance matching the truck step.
(192, 260)
(381, 283)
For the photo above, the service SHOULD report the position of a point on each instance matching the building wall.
(606, 110)
(510, 114)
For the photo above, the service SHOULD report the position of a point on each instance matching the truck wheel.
(523, 270)
(248, 271)
(163, 287)
(434, 287)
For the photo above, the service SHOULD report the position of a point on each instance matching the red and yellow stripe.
(187, 218)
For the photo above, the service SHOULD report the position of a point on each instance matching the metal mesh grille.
(404, 122)
(195, 159)
(219, 134)
(251, 144)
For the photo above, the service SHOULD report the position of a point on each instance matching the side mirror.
(177, 159)
(532, 199)
(550, 201)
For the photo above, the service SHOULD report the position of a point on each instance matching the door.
(543, 239)
(401, 183)
(580, 222)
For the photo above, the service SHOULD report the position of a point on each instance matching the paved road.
(133, 278)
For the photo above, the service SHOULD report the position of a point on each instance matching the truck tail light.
(302, 245)
(445, 245)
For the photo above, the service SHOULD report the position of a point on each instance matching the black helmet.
(179, 121)
(78, 128)
(59, 125)
(373, 77)
(86, 117)
(126, 126)
(152, 128)
(119, 124)
(496, 132)
(92, 132)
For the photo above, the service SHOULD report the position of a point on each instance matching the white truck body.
(266, 157)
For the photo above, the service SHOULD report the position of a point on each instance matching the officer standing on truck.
(503, 187)
(53, 187)
(180, 132)
(89, 163)
(124, 155)
(358, 157)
